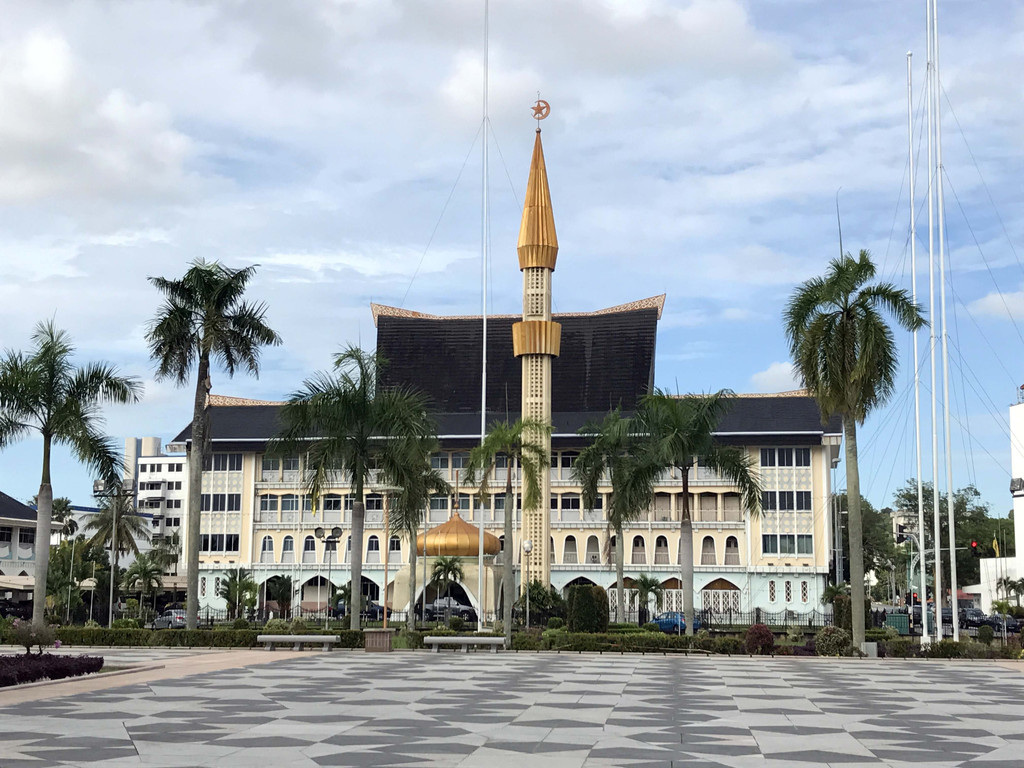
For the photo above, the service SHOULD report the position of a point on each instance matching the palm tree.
(447, 570)
(279, 590)
(647, 586)
(145, 575)
(42, 391)
(832, 591)
(514, 444)
(680, 431)
(846, 355)
(63, 515)
(130, 526)
(417, 481)
(237, 589)
(361, 426)
(616, 452)
(204, 319)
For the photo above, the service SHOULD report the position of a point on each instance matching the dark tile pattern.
(350, 709)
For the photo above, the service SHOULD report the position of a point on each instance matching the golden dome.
(457, 538)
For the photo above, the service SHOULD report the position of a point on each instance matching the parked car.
(373, 611)
(446, 607)
(996, 622)
(173, 619)
(12, 610)
(674, 622)
(972, 617)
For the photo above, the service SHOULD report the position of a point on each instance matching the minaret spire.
(537, 339)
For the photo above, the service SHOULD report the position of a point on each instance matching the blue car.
(674, 622)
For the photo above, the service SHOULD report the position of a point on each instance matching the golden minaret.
(537, 340)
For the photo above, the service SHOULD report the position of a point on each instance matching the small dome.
(457, 538)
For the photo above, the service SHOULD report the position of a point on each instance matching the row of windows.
(804, 592)
(786, 500)
(172, 522)
(220, 502)
(787, 544)
(161, 503)
(218, 542)
(785, 457)
(223, 462)
(171, 467)
(288, 464)
(330, 545)
(26, 536)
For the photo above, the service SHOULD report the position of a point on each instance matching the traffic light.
(901, 534)
(975, 549)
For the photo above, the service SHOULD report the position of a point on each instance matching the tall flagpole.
(485, 236)
(936, 84)
(936, 533)
(917, 359)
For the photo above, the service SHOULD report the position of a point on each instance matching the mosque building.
(562, 369)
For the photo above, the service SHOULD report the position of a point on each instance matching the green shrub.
(650, 626)
(92, 624)
(299, 627)
(946, 649)
(703, 641)
(240, 623)
(875, 635)
(623, 628)
(899, 648)
(456, 624)
(832, 641)
(732, 646)
(526, 641)
(985, 634)
(759, 640)
(126, 624)
(587, 609)
(29, 635)
(276, 627)
(409, 639)
(556, 622)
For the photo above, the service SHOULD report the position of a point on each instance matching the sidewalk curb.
(93, 676)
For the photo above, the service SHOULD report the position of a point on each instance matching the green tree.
(144, 575)
(63, 516)
(362, 426)
(879, 544)
(832, 591)
(846, 355)
(647, 586)
(43, 392)
(447, 570)
(616, 451)
(239, 590)
(279, 589)
(506, 446)
(545, 602)
(972, 522)
(680, 432)
(204, 320)
(416, 482)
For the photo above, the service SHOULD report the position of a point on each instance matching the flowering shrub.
(832, 641)
(31, 635)
(760, 640)
(29, 668)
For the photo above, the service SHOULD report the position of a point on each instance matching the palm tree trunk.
(410, 618)
(44, 507)
(686, 552)
(620, 592)
(508, 567)
(356, 591)
(856, 532)
(195, 490)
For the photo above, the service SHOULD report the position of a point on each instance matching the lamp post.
(332, 538)
(527, 549)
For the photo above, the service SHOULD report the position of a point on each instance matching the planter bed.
(28, 668)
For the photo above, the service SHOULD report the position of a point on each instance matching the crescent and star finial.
(541, 110)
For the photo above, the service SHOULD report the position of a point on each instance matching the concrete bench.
(297, 641)
(465, 641)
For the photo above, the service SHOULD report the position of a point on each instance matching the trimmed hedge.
(587, 609)
(185, 638)
(28, 669)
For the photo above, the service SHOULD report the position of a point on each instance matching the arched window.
(789, 591)
(348, 549)
(661, 551)
(731, 510)
(570, 555)
(551, 550)
(639, 556)
(330, 550)
(288, 550)
(593, 551)
(803, 591)
(202, 587)
(771, 591)
(267, 550)
(732, 551)
(309, 550)
(707, 552)
(373, 550)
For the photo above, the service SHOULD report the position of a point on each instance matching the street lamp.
(527, 549)
(335, 534)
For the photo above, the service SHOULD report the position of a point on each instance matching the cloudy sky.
(694, 148)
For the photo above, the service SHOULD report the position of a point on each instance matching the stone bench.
(297, 641)
(465, 641)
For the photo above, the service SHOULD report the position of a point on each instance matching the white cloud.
(777, 377)
(1005, 305)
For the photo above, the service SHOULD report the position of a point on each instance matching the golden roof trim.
(653, 302)
(225, 400)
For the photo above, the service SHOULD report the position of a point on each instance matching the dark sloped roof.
(606, 360)
(761, 420)
(11, 508)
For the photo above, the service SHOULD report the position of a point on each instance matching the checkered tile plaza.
(529, 709)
